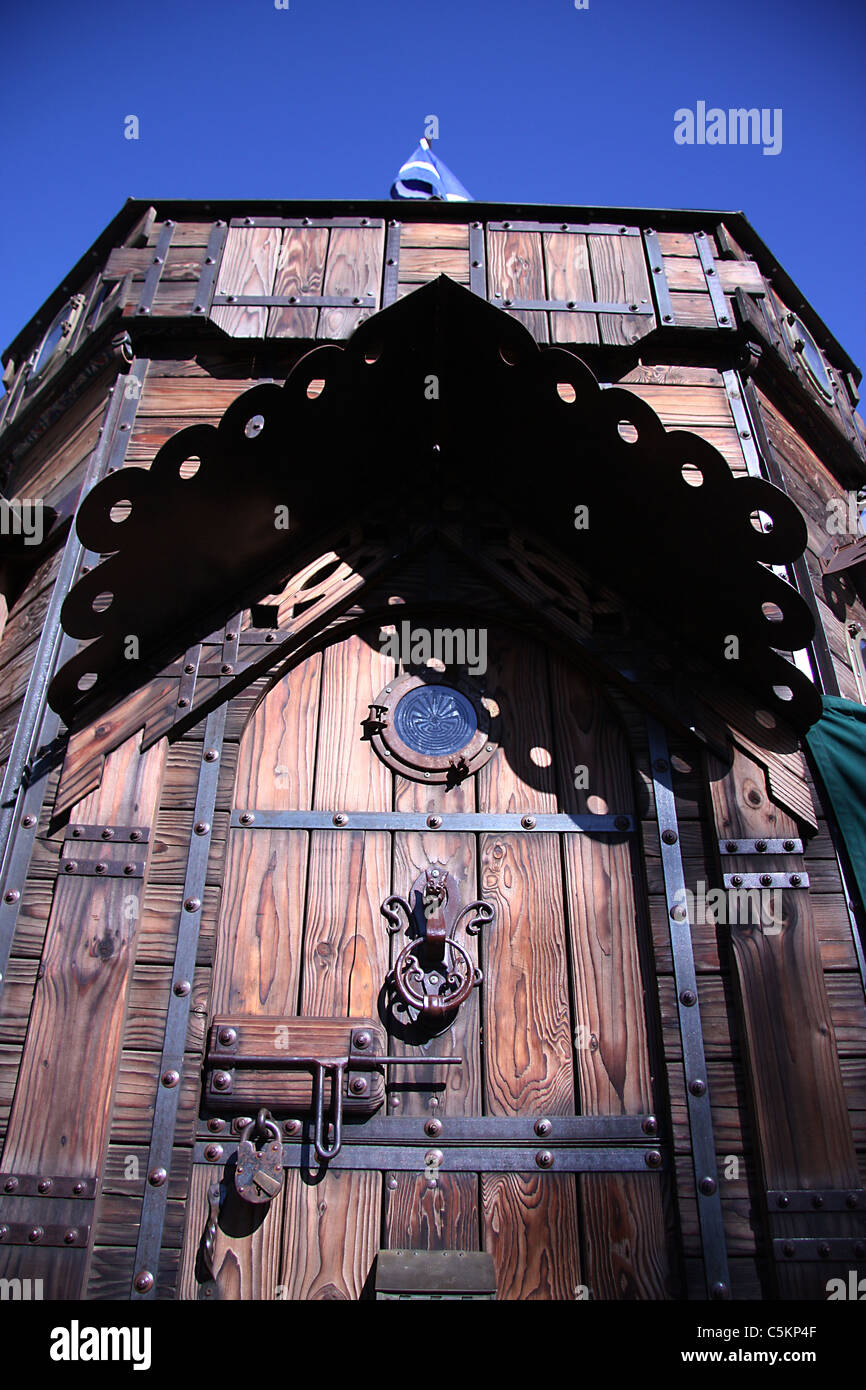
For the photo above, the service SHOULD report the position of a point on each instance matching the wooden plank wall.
(813, 487)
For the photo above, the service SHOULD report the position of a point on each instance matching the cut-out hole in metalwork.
(627, 431)
(772, 612)
(566, 391)
(783, 692)
(254, 426)
(315, 387)
(692, 475)
(761, 521)
(102, 601)
(190, 466)
(87, 680)
(121, 510)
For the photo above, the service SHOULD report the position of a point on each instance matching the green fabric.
(838, 745)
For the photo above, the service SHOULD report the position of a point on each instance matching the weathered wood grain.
(515, 270)
(434, 234)
(354, 267)
(248, 267)
(620, 275)
(423, 1212)
(300, 270)
(64, 1092)
(566, 259)
(531, 1228)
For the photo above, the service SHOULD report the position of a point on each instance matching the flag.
(425, 176)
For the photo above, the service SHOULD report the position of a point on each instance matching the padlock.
(259, 1172)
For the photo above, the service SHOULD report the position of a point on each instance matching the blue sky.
(537, 102)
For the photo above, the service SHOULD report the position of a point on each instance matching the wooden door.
(553, 1040)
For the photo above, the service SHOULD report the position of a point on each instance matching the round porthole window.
(433, 728)
(59, 332)
(810, 355)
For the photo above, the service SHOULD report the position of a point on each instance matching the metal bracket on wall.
(477, 270)
(392, 263)
(658, 277)
(157, 266)
(212, 259)
(688, 1012)
(761, 846)
(711, 275)
(826, 1248)
(40, 1185)
(800, 880)
(816, 1200)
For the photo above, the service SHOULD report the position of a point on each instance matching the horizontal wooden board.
(425, 263)
(693, 310)
(433, 234)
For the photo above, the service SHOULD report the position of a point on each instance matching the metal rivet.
(653, 1159)
(621, 823)
(44, 1185)
(192, 904)
(143, 1281)
(392, 1183)
(10, 1184)
(27, 821)
(817, 1201)
(698, 1087)
(667, 318)
(221, 1081)
(361, 1040)
(766, 880)
(433, 1128)
(135, 835)
(157, 1176)
(736, 880)
(732, 846)
(543, 1128)
(292, 1127)
(12, 896)
(719, 1290)
(669, 837)
(851, 1201)
(181, 988)
(70, 1237)
(210, 755)
(201, 827)
(650, 1125)
(788, 1249)
(358, 1085)
(707, 1186)
(796, 880)
(661, 765)
(544, 1158)
(824, 1250)
(434, 822)
(528, 822)
(723, 318)
(228, 1036)
(788, 844)
(77, 832)
(783, 1200)
(339, 818)
(100, 868)
(226, 668)
(246, 818)
(216, 1125)
(35, 1233)
(78, 1188)
(678, 913)
(213, 1152)
(688, 998)
(434, 1158)
(189, 668)
(70, 866)
(182, 702)
(761, 846)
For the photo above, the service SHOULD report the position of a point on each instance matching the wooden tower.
(413, 619)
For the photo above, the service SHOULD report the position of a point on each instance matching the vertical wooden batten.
(804, 1137)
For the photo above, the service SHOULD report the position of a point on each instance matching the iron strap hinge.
(479, 823)
(826, 1248)
(814, 1202)
(113, 834)
(798, 880)
(39, 1185)
(787, 846)
(31, 1233)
